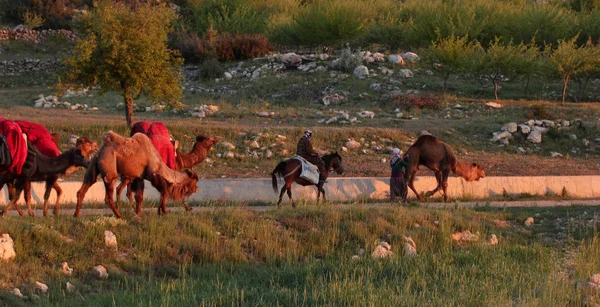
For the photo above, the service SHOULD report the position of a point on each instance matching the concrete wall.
(349, 188)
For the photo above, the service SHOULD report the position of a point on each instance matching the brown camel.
(135, 159)
(46, 169)
(196, 156)
(440, 158)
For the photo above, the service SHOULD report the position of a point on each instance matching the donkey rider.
(306, 151)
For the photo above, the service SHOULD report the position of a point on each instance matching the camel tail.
(276, 171)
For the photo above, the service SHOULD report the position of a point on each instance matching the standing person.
(306, 151)
(397, 183)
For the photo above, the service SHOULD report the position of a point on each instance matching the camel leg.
(445, 184)
(88, 180)
(186, 205)
(59, 193)
(137, 187)
(47, 191)
(124, 183)
(411, 184)
(27, 196)
(162, 208)
(109, 186)
(13, 202)
(438, 178)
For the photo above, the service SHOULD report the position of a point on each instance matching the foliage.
(419, 102)
(124, 49)
(570, 60)
(57, 14)
(32, 20)
(451, 56)
(389, 31)
(229, 16)
(210, 69)
(347, 61)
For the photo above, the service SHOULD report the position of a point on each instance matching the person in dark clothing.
(306, 151)
(397, 183)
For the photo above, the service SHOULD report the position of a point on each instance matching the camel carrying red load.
(40, 137)
(160, 137)
(16, 143)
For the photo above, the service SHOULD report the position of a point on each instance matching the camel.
(182, 161)
(440, 158)
(135, 159)
(45, 169)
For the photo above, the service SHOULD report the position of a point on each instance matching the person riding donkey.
(306, 151)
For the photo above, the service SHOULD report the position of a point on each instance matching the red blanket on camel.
(140, 127)
(40, 137)
(160, 137)
(16, 144)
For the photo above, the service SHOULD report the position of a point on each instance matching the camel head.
(77, 158)
(206, 142)
(86, 146)
(475, 172)
(182, 190)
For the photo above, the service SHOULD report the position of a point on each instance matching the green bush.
(210, 69)
(450, 56)
(347, 61)
(227, 16)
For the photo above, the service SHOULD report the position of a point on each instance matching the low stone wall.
(35, 36)
(260, 189)
(18, 67)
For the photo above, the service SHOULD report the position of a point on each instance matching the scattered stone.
(323, 56)
(361, 72)
(528, 222)
(268, 154)
(110, 239)
(227, 75)
(383, 250)
(573, 136)
(366, 114)
(7, 247)
(198, 114)
(41, 286)
(375, 86)
(585, 142)
(228, 155)
(99, 272)
(66, 269)
(355, 258)
(535, 137)
(410, 57)
(525, 129)
(254, 145)
(396, 59)
(410, 248)
(334, 99)
(555, 154)
(493, 105)
(548, 123)
(228, 145)
(290, 60)
(499, 136)
(405, 73)
(70, 287)
(17, 293)
(493, 240)
(352, 145)
(510, 127)
(465, 236)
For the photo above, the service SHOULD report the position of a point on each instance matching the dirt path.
(199, 210)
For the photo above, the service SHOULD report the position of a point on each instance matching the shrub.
(419, 102)
(224, 16)
(347, 61)
(452, 55)
(210, 69)
(540, 111)
(190, 46)
(239, 47)
(32, 20)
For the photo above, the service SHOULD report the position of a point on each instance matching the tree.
(502, 61)
(570, 60)
(451, 56)
(124, 49)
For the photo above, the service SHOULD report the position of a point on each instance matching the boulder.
(227, 75)
(410, 248)
(17, 293)
(7, 247)
(254, 145)
(573, 137)
(535, 137)
(334, 99)
(405, 73)
(396, 59)
(493, 240)
(265, 114)
(290, 59)
(366, 114)
(70, 287)
(352, 145)
(498, 136)
(548, 123)
(361, 72)
(493, 105)
(528, 222)
(525, 129)
(383, 250)
(99, 272)
(66, 270)
(110, 239)
(41, 287)
(465, 236)
(541, 130)
(410, 57)
(510, 127)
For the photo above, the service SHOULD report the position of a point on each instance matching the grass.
(303, 257)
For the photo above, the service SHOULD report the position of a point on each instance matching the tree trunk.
(527, 85)
(446, 77)
(496, 89)
(129, 110)
(565, 83)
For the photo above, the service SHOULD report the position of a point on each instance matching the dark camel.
(440, 158)
(46, 169)
(133, 160)
(290, 170)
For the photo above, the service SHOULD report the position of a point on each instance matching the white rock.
(265, 114)
(41, 286)
(199, 114)
(70, 287)
(585, 142)
(542, 130)
(110, 239)
(383, 250)
(405, 73)
(396, 59)
(229, 155)
(595, 279)
(366, 114)
(227, 75)
(465, 235)
(66, 269)
(352, 145)
(410, 248)
(493, 105)
(228, 145)
(410, 57)
(254, 145)
(320, 69)
(331, 120)
(525, 129)
(565, 123)
(268, 154)
(528, 222)
(17, 292)
(333, 99)
(510, 127)
(535, 137)
(355, 258)
(573, 137)
(530, 123)
(493, 240)
(555, 154)
(290, 59)
(323, 56)
(100, 272)
(548, 123)
(7, 247)
(361, 71)
(498, 136)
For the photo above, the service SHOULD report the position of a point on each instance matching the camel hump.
(110, 137)
(424, 140)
